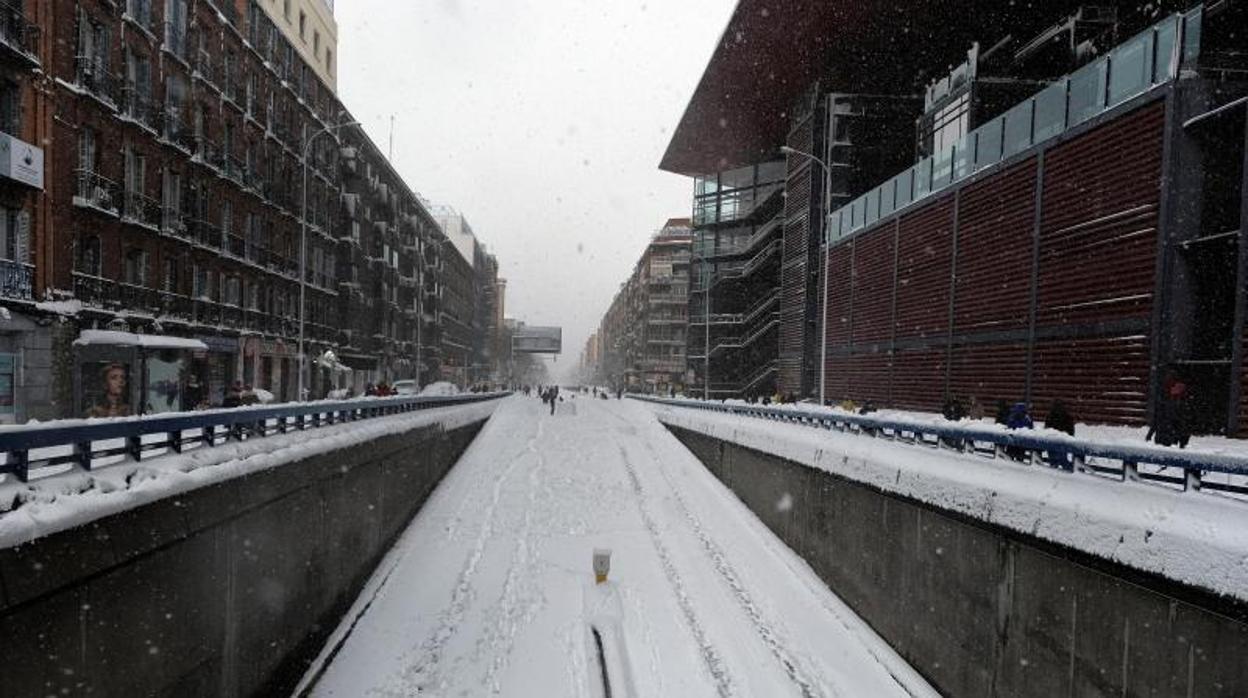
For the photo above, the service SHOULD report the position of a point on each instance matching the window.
(175, 27)
(172, 202)
(89, 256)
(303, 24)
(286, 9)
(171, 275)
(10, 107)
(136, 171)
(316, 43)
(136, 267)
(329, 61)
(14, 234)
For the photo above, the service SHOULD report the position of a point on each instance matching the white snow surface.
(440, 388)
(1199, 538)
(490, 590)
(76, 497)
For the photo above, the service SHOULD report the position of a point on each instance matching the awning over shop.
(129, 339)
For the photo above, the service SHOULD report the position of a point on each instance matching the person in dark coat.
(1018, 419)
(1170, 425)
(953, 411)
(1060, 419)
(1003, 413)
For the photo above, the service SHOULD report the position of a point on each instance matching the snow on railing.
(1187, 470)
(93, 442)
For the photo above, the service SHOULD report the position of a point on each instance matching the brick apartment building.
(156, 227)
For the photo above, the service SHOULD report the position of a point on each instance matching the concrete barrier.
(227, 590)
(984, 611)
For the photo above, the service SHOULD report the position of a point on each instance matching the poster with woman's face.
(106, 389)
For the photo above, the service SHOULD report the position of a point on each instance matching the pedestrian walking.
(1171, 425)
(1060, 419)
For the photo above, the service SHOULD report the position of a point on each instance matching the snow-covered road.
(490, 590)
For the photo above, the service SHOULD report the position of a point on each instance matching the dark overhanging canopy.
(773, 50)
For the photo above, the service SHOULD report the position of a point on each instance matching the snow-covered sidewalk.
(490, 590)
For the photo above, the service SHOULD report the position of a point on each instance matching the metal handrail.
(215, 427)
(1022, 445)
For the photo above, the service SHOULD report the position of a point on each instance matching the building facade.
(177, 190)
(1060, 217)
(641, 344)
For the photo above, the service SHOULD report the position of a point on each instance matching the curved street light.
(303, 248)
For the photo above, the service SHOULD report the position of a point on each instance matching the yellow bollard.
(602, 564)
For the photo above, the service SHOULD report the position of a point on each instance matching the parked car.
(405, 387)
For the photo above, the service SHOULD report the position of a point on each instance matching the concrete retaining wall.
(228, 590)
(980, 610)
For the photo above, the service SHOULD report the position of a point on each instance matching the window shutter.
(21, 238)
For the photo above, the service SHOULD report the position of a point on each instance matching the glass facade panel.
(1087, 92)
(964, 156)
(888, 197)
(905, 191)
(922, 178)
(988, 143)
(859, 212)
(1163, 51)
(1130, 68)
(1191, 35)
(1050, 117)
(942, 167)
(834, 227)
(1017, 136)
(873, 206)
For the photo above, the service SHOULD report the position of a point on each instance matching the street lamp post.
(823, 270)
(303, 249)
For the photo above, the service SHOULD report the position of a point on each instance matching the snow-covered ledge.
(1197, 538)
(58, 502)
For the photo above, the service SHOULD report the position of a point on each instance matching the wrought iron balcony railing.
(96, 191)
(16, 279)
(19, 35)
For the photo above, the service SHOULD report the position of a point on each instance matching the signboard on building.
(537, 340)
(21, 161)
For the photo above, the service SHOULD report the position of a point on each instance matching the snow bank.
(73, 498)
(441, 388)
(1199, 538)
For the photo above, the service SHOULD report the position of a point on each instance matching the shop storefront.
(118, 374)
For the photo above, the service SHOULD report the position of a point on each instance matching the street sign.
(537, 340)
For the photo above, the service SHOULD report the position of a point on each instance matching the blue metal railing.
(1171, 466)
(83, 442)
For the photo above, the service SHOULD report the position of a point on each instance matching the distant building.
(311, 30)
(641, 343)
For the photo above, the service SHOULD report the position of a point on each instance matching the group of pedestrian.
(382, 389)
(550, 396)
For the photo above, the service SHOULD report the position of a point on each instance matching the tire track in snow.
(422, 675)
(710, 656)
(764, 628)
(512, 608)
(912, 684)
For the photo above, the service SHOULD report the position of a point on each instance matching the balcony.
(16, 279)
(91, 74)
(174, 223)
(174, 130)
(96, 191)
(138, 106)
(208, 152)
(204, 69)
(19, 37)
(203, 232)
(141, 209)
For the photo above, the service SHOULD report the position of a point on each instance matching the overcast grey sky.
(543, 121)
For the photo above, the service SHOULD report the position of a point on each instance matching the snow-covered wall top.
(75, 497)
(1197, 538)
